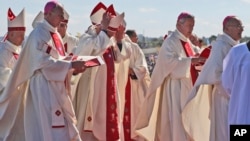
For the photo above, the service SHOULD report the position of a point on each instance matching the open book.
(91, 61)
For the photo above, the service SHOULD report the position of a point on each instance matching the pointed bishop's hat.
(97, 13)
(16, 23)
(39, 17)
(65, 16)
(111, 10)
(116, 19)
(123, 23)
(115, 22)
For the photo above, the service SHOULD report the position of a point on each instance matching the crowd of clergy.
(97, 87)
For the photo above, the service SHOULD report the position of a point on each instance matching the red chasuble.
(112, 133)
(127, 112)
(189, 52)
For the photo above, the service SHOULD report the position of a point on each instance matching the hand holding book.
(80, 63)
(91, 61)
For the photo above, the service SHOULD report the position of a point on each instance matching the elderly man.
(96, 98)
(70, 42)
(11, 47)
(207, 107)
(36, 101)
(171, 82)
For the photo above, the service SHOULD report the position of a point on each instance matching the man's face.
(235, 29)
(120, 32)
(16, 37)
(186, 28)
(98, 28)
(134, 38)
(62, 28)
(194, 40)
(56, 16)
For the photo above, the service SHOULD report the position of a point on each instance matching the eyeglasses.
(238, 26)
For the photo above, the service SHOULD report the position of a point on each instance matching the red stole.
(58, 43)
(113, 52)
(127, 112)
(189, 52)
(15, 55)
(66, 47)
(112, 133)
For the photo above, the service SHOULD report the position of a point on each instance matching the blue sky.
(153, 18)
